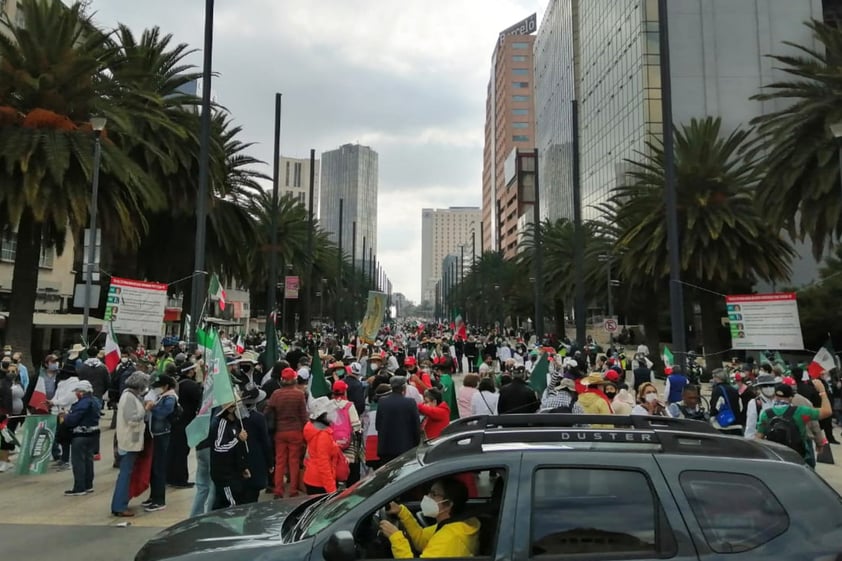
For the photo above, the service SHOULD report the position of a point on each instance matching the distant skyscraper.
(350, 173)
(295, 181)
(509, 124)
(443, 230)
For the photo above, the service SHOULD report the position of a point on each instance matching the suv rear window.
(759, 519)
(593, 511)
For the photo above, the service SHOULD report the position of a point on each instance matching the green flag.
(36, 442)
(448, 391)
(669, 360)
(538, 377)
(479, 360)
(216, 389)
(318, 385)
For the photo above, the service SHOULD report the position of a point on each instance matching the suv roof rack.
(676, 436)
(558, 420)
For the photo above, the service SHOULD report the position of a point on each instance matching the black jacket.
(517, 397)
(356, 393)
(190, 399)
(228, 453)
(398, 425)
(96, 375)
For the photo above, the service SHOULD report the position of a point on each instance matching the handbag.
(725, 417)
(341, 466)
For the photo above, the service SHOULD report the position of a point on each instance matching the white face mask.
(157, 391)
(767, 391)
(124, 360)
(651, 397)
(429, 507)
(375, 367)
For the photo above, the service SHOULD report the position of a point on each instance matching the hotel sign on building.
(526, 26)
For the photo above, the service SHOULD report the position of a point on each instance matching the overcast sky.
(407, 78)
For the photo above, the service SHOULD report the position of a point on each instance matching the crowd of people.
(288, 433)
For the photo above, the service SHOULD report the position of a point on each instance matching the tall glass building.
(350, 173)
(605, 54)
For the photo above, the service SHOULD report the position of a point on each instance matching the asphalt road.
(72, 543)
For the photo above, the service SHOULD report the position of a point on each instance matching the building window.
(297, 175)
(286, 182)
(520, 125)
(520, 45)
(520, 84)
(520, 71)
(520, 138)
(301, 197)
(519, 58)
(520, 111)
(602, 512)
(520, 98)
(8, 251)
(712, 497)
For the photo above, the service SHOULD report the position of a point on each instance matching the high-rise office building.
(509, 124)
(350, 174)
(295, 181)
(606, 55)
(443, 231)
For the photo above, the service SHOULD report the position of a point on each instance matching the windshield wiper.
(308, 515)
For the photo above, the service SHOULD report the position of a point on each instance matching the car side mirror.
(340, 547)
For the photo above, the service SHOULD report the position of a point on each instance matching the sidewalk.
(39, 499)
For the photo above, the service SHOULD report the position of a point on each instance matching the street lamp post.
(498, 289)
(98, 125)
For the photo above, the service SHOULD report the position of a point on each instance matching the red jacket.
(437, 418)
(318, 465)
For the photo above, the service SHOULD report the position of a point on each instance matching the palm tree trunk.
(560, 326)
(711, 322)
(24, 285)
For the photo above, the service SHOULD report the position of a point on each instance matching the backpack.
(176, 415)
(783, 430)
(342, 427)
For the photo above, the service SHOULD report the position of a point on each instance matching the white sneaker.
(6, 466)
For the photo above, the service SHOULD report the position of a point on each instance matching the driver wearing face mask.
(765, 386)
(453, 535)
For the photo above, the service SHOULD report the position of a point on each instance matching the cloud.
(407, 78)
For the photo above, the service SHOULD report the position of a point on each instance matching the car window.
(335, 507)
(712, 496)
(593, 511)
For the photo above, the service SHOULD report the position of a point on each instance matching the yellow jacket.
(453, 539)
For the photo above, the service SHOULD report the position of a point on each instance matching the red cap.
(340, 387)
(288, 375)
(789, 381)
(612, 376)
(738, 377)
(410, 361)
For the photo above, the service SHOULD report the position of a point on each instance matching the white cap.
(303, 373)
(83, 386)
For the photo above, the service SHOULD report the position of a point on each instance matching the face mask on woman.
(429, 507)
(52, 366)
(651, 397)
(767, 391)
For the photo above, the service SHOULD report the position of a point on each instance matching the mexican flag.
(669, 360)
(823, 361)
(241, 345)
(318, 384)
(216, 389)
(112, 349)
(538, 377)
(216, 292)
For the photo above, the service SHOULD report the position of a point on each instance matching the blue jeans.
(82, 461)
(205, 491)
(120, 499)
(158, 478)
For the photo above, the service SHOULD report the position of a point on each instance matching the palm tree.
(800, 190)
(725, 240)
(558, 240)
(54, 77)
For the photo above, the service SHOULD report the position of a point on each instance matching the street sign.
(610, 325)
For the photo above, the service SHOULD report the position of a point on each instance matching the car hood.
(256, 525)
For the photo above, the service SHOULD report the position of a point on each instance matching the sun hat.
(320, 406)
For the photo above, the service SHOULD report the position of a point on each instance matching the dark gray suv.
(555, 486)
